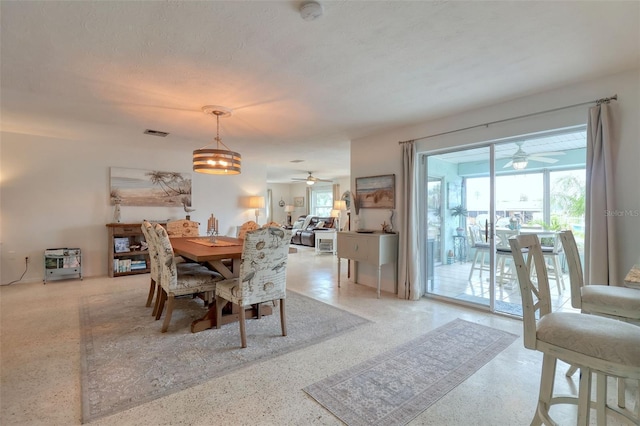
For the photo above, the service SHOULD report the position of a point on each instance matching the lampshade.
(340, 205)
(289, 208)
(520, 164)
(256, 202)
(335, 213)
(217, 161)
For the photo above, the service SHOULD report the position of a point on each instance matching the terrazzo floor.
(40, 363)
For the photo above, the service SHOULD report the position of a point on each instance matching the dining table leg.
(231, 312)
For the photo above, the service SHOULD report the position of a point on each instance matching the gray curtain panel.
(408, 267)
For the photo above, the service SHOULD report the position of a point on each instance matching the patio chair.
(481, 248)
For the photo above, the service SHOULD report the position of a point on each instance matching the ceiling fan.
(520, 158)
(310, 180)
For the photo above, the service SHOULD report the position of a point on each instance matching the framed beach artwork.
(121, 245)
(376, 192)
(137, 187)
(298, 201)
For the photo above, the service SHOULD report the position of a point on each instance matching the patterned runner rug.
(396, 386)
(127, 361)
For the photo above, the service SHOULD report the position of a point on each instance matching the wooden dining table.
(223, 256)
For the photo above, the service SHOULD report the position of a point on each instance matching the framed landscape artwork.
(298, 201)
(135, 187)
(376, 192)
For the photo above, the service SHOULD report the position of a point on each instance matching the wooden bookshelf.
(125, 254)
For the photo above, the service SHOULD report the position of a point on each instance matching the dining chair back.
(177, 279)
(481, 250)
(262, 277)
(247, 226)
(183, 228)
(598, 345)
(552, 252)
(150, 238)
(504, 271)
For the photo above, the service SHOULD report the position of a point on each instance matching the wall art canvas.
(136, 187)
(376, 192)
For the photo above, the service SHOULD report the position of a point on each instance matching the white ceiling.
(299, 90)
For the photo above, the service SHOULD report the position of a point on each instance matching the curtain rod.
(596, 101)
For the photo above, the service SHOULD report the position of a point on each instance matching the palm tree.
(568, 195)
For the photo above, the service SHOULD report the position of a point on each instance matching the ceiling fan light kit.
(520, 158)
(311, 180)
(220, 160)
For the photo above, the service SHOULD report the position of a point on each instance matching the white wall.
(371, 155)
(55, 193)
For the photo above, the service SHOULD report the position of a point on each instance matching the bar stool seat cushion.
(611, 300)
(592, 336)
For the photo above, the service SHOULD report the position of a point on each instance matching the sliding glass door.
(477, 198)
(458, 261)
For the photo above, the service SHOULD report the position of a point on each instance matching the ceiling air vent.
(155, 133)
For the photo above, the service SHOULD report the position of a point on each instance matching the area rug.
(127, 361)
(396, 386)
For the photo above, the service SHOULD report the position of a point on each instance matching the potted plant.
(460, 212)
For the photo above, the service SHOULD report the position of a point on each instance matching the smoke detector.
(310, 11)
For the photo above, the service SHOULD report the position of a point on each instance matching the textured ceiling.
(299, 90)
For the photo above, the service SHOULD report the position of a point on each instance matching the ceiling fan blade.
(543, 159)
(545, 154)
(508, 164)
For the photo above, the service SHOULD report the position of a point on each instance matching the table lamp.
(339, 206)
(288, 209)
(256, 203)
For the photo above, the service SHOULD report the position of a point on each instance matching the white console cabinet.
(373, 248)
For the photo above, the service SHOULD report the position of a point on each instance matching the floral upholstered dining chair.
(247, 226)
(179, 279)
(262, 277)
(150, 238)
(183, 228)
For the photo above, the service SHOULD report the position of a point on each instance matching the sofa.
(305, 229)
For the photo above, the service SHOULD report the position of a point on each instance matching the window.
(321, 201)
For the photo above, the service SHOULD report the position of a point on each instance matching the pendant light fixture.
(217, 161)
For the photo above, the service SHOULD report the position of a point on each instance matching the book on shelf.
(137, 265)
(123, 265)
